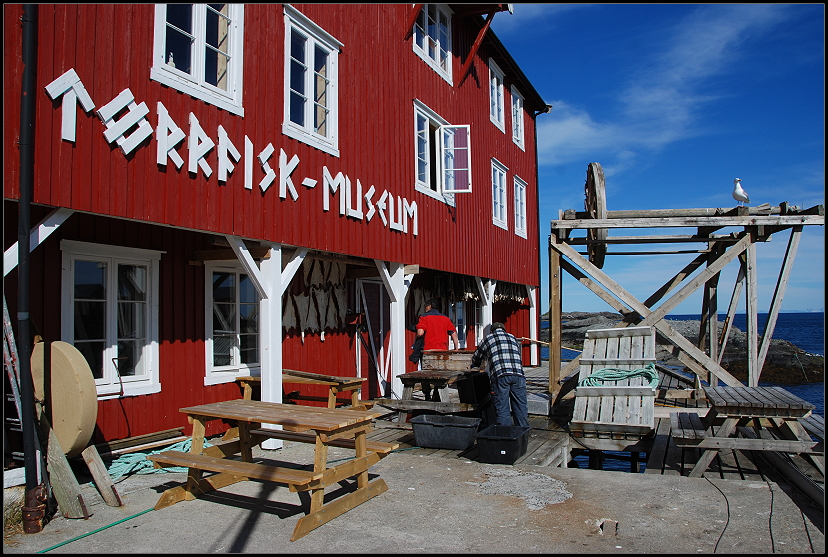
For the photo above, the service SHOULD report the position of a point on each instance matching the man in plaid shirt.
(502, 351)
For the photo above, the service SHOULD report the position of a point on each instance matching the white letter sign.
(116, 129)
(69, 85)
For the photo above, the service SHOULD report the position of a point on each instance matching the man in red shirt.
(435, 329)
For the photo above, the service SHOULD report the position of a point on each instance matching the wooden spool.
(596, 205)
(71, 402)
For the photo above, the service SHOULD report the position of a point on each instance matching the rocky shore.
(785, 362)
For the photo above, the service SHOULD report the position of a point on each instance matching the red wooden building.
(225, 190)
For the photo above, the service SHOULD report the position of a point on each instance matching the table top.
(290, 416)
(757, 402)
(294, 376)
(437, 374)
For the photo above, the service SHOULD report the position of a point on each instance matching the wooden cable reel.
(71, 399)
(595, 204)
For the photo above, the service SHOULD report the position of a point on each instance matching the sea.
(805, 330)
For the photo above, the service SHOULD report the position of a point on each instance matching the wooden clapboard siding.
(132, 201)
(110, 47)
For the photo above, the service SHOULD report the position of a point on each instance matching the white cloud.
(662, 100)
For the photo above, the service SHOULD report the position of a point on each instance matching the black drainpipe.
(35, 494)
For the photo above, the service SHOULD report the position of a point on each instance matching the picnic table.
(439, 380)
(322, 427)
(772, 412)
(335, 385)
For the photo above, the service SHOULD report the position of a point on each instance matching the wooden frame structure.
(758, 224)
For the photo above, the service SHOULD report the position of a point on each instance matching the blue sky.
(675, 101)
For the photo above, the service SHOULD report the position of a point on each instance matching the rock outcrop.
(785, 362)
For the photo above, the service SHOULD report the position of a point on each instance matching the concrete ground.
(441, 505)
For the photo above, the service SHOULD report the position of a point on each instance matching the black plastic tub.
(444, 432)
(502, 444)
(473, 388)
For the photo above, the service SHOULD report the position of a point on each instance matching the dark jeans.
(510, 390)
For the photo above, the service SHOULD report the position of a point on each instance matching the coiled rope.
(137, 463)
(597, 378)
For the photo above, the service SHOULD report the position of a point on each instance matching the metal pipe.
(27, 137)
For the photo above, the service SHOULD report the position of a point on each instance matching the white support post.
(393, 277)
(37, 236)
(486, 290)
(271, 334)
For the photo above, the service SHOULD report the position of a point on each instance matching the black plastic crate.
(502, 444)
(473, 388)
(444, 432)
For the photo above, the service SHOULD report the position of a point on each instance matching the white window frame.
(439, 42)
(216, 375)
(296, 22)
(497, 110)
(458, 314)
(517, 118)
(436, 155)
(194, 84)
(520, 207)
(110, 385)
(499, 202)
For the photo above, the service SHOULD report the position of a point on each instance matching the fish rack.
(757, 225)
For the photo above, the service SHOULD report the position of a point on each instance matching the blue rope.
(597, 378)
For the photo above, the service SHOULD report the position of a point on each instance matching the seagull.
(739, 194)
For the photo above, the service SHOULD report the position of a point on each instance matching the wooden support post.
(101, 476)
(779, 293)
(751, 301)
(555, 310)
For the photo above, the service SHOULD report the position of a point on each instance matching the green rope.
(137, 463)
(597, 378)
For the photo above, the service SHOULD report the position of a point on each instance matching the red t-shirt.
(437, 329)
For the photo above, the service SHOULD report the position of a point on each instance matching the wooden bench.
(814, 425)
(277, 474)
(686, 428)
(371, 446)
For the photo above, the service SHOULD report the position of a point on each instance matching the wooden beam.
(679, 222)
(555, 310)
(477, 42)
(656, 318)
(666, 239)
(228, 254)
(412, 18)
(779, 293)
(752, 326)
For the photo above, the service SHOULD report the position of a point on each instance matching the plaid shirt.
(503, 353)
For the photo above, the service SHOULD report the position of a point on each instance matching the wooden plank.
(619, 332)
(337, 507)
(623, 363)
(686, 222)
(101, 476)
(412, 404)
(65, 486)
(375, 446)
(265, 472)
(614, 391)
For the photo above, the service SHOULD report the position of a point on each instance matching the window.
(520, 207)
(457, 314)
(432, 38)
(517, 118)
(198, 50)
(442, 155)
(310, 83)
(496, 109)
(499, 194)
(232, 346)
(110, 314)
